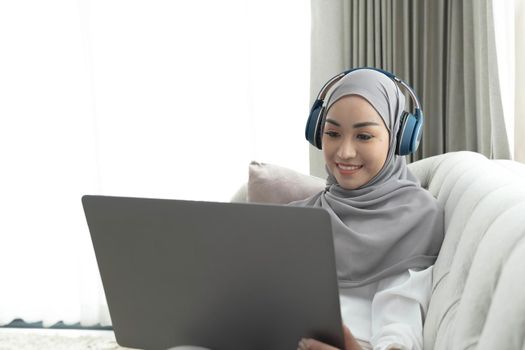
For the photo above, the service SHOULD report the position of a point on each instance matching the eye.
(364, 137)
(332, 134)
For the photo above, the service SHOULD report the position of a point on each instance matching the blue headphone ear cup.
(418, 130)
(313, 127)
(407, 138)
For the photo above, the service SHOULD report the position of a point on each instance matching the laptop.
(223, 276)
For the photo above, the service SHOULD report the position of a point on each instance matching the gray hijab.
(391, 223)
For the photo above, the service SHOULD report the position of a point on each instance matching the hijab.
(391, 223)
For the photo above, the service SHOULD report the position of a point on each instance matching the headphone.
(410, 126)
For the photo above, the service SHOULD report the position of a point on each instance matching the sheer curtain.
(509, 22)
(166, 99)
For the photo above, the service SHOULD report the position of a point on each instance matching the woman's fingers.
(312, 344)
(350, 342)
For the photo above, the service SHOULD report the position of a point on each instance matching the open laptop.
(223, 276)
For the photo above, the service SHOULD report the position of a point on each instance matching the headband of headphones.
(410, 126)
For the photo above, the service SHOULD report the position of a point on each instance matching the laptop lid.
(224, 276)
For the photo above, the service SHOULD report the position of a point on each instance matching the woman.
(387, 229)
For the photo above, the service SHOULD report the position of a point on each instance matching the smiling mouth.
(348, 167)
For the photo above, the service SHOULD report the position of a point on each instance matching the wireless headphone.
(410, 126)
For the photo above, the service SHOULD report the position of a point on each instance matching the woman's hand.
(312, 344)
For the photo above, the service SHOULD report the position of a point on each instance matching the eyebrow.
(356, 125)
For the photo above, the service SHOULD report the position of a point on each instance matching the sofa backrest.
(478, 298)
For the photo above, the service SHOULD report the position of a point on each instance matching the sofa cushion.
(268, 183)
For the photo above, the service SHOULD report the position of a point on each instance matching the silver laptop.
(223, 276)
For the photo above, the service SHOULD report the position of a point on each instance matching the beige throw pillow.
(268, 183)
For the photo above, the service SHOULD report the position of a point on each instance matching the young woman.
(387, 229)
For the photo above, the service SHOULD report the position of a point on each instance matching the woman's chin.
(348, 183)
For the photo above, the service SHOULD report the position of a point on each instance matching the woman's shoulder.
(310, 201)
(422, 198)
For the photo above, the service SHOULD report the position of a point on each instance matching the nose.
(347, 149)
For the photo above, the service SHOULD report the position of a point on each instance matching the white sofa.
(478, 298)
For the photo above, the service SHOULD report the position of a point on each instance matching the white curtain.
(509, 22)
(157, 98)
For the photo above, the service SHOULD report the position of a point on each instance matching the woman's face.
(355, 141)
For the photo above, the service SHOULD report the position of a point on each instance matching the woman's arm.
(398, 311)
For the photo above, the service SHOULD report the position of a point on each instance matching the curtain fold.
(519, 86)
(509, 25)
(445, 50)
